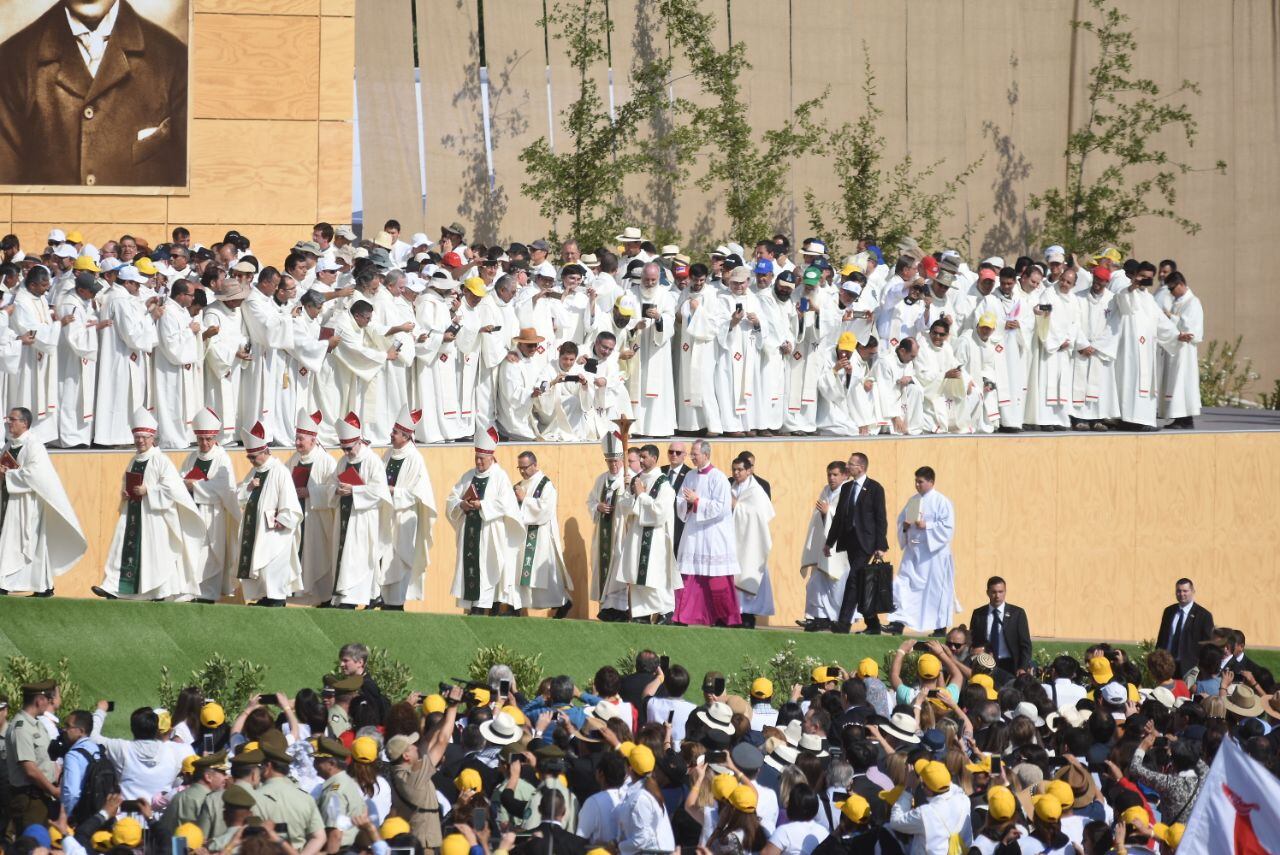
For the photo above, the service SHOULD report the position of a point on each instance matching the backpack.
(99, 781)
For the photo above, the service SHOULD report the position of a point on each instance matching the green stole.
(4, 485)
(131, 547)
(249, 527)
(345, 504)
(604, 551)
(302, 526)
(531, 538)
(646, 537)
(471, 527)
(393, 470)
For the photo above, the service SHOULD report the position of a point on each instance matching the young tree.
(1125, 119)
(877, 199)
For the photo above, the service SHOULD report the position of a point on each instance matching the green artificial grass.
(116, 649)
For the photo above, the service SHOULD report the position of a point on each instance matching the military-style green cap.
(328, 748)
(237, 797)
(339, 683)
(253, 757)
(212, 761)
(42, 686)
(275, 746)
(549, 752)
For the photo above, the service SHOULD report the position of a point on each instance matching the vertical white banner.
(488, 130)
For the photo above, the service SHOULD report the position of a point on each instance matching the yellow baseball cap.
(983, 766)
(928, 666)
(434, 704)
(468, 779)
(145, 266)
(825, 674)
(856, 809)
(515, 712)
(164, 721)
(1170, 835)
(641, 759)
(1110, 254)
(935, 776)
(74, 236)
(393, 827)
(744, 798)
(1100, 670)
(455, 844)
(762, 688)
(985, 681)
(475, 285)
(101, 840)
(189, 764)
(364, 749)
(1001, 805)
(625, 748)
(849, 269)
(722, 786)
(868, 668)
(623, 307)
(212, 715)
(1061, 791)
(126, 832)
(84, 262)
(987, 320)
(1048, 808)
(847, 342)
(55, 837)
(480, 696)
(1136, 815)
(194, 836)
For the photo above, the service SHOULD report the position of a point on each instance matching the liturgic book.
(131, 480)
(350, 477)
(195, 475)
(471, 495)
(301, 476)
(8, 461)
(326, 333)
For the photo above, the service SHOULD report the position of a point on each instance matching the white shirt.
(147, 767)
(766, 807)
(595, 820)
(93, 43)
(643, 824)
(659, 708)
(799, 838)
(1064, 693)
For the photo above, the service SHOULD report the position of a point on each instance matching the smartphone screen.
(208, 743)
(718, 687)
(995, 764)
(671, 716)
(111, 706)
(504, 688)
(666, 663)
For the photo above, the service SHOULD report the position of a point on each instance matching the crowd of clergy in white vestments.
(755, 341)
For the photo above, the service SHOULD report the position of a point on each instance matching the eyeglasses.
(675, 454)
(955, 645)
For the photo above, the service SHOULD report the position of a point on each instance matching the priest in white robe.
(268, 336)
(224, 354)
(77, 361)
(651, 379)
(985, 375)
(363, 519)
(520, 385)
(312, 470)
(824, 585)
(40, 536)
(942, 381)
(435, 372)
(35, 386)
(175, 384)
(1017, 323)
(152, 555)
(900, 396)
(358, 361)
(646, 561)
(1049, 377)
(1094, 397)
(802, 344)
(311, 385)
(699, 321)
(413, 515)
(1141, 331)
(565, 412)
(267, 566)
(847, 400)
(486, 518)
(606, 534)
(777, 344)
(752, 513)
(542, 579)
(211, 481)
(1180, 371)
(924, 589)
(483, 342)
(739, 355)
(122, 359)
(708, 558)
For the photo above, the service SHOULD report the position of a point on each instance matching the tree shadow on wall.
(658, 204)
(1013, 228)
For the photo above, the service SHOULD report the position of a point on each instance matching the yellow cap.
(249, 746)
(847, 342)
(126, 832)
(434, 704)
(189, 764)
(625, 748)
(821, 675)
(84, 262)
(849, 269)
(194, 836)
(1001, 805)
(212, 715)
(1061, 790)
(856, 809)
(475, 285)
(641, 759)
(1110, 254)
(480, 696)
(985, 681)
(928, 666)
(145, 266)
(722, 786)
(164, 721)
(891, 796)
(868, 667)
(468, 779)
(762, 688)
(988, 320)
(1048, 808)
(744, 798)
(455, 844)
(1170, 835)
(364, 749)
(623, 307)
(101, 840)
(393, 827)
(74, 236)
(1136, 815)
(599, 850)
(935, 776)
(1100, 670)
(55, 837)
(982, 766)
(515, 712)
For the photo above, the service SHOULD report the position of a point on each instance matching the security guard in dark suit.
(123, 124)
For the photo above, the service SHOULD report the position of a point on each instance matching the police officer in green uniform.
(246, 774)
(32, 774)
(340, 799)
(345, 690)
(210, 776)
(281, 801)
(237, 809)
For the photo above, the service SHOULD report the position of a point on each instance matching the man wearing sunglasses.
(676, 469)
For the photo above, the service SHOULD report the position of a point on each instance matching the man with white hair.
(364, 514)
(739, 352)
(268, 567)
(413, 515)
(312, 470)
(122, 352)
(708, 560)
(211, 481)
(542, 579)
(650, 381)
(603, 505)
(486, 517)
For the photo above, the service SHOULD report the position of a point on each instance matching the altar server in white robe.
(40, 536)
(152, 555)
(362, 521)
(542, 580)
(269, 334)
(824, 585)
(77, 361)
(603, 503)
(847, 400)
(801, 347)
(312, 470)
(520, 387)
(1057, 327)
(211, 481)
(35, 385)
(941, 379)
(924, 589)
(699, 321)
(565, 412)
(435, 370)
(483, 342)
(224, 354)
(1017, 323)
(752, 513)
(1180, 376)
(740, 345)
(900, 397)
(122, 358)
(650, 379)
(984, 373)
(646, 561)
(175, 386)
(358, 360)
(267, 567)
(486, 518)
(413, 505)
(1141, 331)
(1094, 398)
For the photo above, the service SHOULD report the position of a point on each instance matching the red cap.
(987, 273)
(451, 259)
(1102, 274)
(929, 266)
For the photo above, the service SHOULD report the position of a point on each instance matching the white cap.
(206, 423)
(326, 264)
(107, 265)
(65, 250)
(546, 269)
(995, 261)
(57, 236)
(349, 429)
(91, 251)
(721, 251)
(486, 440)
(414, 283)
(736, 249)
(420, 239)
(407, 420)
(142, 421)
(255, 438)
(129, 273)
(442, 280)
(850, 286)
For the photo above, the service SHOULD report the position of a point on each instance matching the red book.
(326, 333)
(195, 475)
(351, 477)
(470, 495)
(131, 480)
(8, 461)
(301, 476)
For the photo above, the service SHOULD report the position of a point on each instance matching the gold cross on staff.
(624, 428)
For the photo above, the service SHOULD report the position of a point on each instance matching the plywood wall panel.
(256, 67)
(449, 55)
(337, 61)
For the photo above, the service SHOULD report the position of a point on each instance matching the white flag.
(1238, 810)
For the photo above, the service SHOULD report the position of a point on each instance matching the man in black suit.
(1244, 668)
(675, 471)
(859, 530)
(1001, 629)
(551, 836)
(1184, 626)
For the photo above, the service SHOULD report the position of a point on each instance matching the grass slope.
(116, 649)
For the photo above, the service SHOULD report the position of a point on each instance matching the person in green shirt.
(32, 774)
(340, 800)
(208, 777)
(282, 802)
(246, 774)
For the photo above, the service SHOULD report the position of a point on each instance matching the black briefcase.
(880, 584)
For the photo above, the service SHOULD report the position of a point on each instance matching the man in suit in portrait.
(860, 530)
(1183, 626)
(93, 94)
(1001, 629)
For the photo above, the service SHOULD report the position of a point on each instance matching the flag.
(1238, 810)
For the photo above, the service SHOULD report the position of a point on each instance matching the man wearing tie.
(1001, 628)
(675, 472)
(860, 530)
(1183, 626)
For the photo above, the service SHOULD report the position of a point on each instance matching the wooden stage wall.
(1090, 532)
